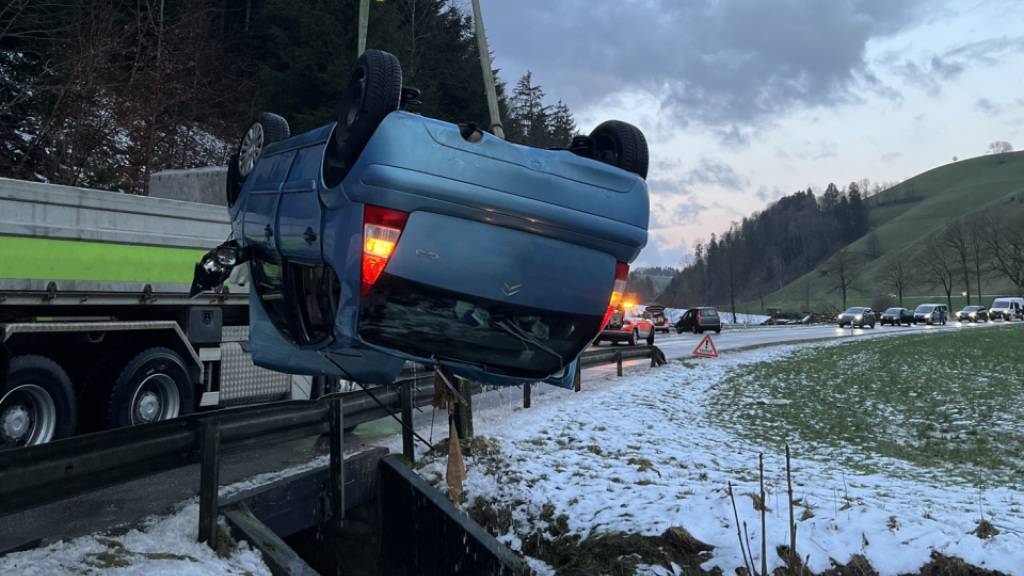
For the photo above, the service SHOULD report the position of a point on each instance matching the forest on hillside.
(769, 249)
(102, 93)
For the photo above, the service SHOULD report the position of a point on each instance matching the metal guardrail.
(39, 475)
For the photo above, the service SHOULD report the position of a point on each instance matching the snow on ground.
(161, 545)
(638, 454)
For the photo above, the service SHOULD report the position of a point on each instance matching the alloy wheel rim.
(155, 399)
(252, 146)
(28, 416)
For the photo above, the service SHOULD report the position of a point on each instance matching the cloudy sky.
(743, 101)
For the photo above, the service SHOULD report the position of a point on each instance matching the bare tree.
(976, 235)
(897, 276)
(956, 240)
(1000, 147)
(938, 263)
(1005, 244)
(840, 273)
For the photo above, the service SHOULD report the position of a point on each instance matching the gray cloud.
(988, 107)
(723, 63)
(931, 73)
(716, 173)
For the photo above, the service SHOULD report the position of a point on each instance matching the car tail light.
(618, 289)
(381, 229)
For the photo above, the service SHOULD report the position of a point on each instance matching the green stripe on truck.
(45, 259)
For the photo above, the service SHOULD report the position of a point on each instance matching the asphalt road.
(130, 502)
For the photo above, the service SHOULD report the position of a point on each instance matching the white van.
(1007, 308)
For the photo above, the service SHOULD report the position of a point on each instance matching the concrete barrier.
(203, 185)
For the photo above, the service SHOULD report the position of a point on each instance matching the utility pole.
(485, 65)
(364, 19)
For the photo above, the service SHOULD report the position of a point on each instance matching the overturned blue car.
(387, 237)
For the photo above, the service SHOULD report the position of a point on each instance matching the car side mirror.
(216, 265)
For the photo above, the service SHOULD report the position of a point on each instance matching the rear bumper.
(615, 335)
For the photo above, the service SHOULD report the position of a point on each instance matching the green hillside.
(904, 221)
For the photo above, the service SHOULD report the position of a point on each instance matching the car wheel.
(695, 329)
(265, 129)
(37, 403)
(650, 338)
(374, 90)
(633, 338)
(622, 145)
(154, 386)
(718, 330)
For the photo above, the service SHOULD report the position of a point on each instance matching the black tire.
(718, 330)
(650, 338)
(695, 329)
(158, 368)
(622, 145)
(633, 337)
(374, 90)
(35, 386)
(234, 182)
(265, 129)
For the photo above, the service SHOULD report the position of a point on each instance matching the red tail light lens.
(618, 289)
(381, 230)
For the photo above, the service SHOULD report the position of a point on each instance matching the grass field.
(950, 405)
(905, 220)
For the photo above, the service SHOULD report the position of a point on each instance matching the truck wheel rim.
(155, 399)
(28, 416)
(252, 145)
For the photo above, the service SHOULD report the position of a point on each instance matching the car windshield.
(893, 311)
(1001, 304)
(924, 309)
(854, 310)
(972, 308)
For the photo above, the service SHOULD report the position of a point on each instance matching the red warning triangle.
(706, 348)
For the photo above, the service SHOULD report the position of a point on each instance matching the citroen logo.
(511, 289)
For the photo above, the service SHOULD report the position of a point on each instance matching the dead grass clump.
(985, 530)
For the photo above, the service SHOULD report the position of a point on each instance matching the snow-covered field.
(637, 454)
(640, 454)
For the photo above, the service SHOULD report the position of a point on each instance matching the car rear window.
(426, 321)
(893, 311)
(708, 313)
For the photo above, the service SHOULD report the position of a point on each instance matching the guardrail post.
(465, 421)
(618, 363)
(337, 463)
(405, 397)
(209, 481)
(577, 378)
(526, 395)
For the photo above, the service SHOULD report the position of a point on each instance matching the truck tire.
(266, 128)
(153, 386)
(374, 90)
(37, 403)
(622, 145)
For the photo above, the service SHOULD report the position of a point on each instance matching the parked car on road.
(897, 317)
(973, 314)
(623, 326)
(656, 314)
(699, 320)
(934, 314)
(857, 316)
(388, 237)
(1007, 309)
